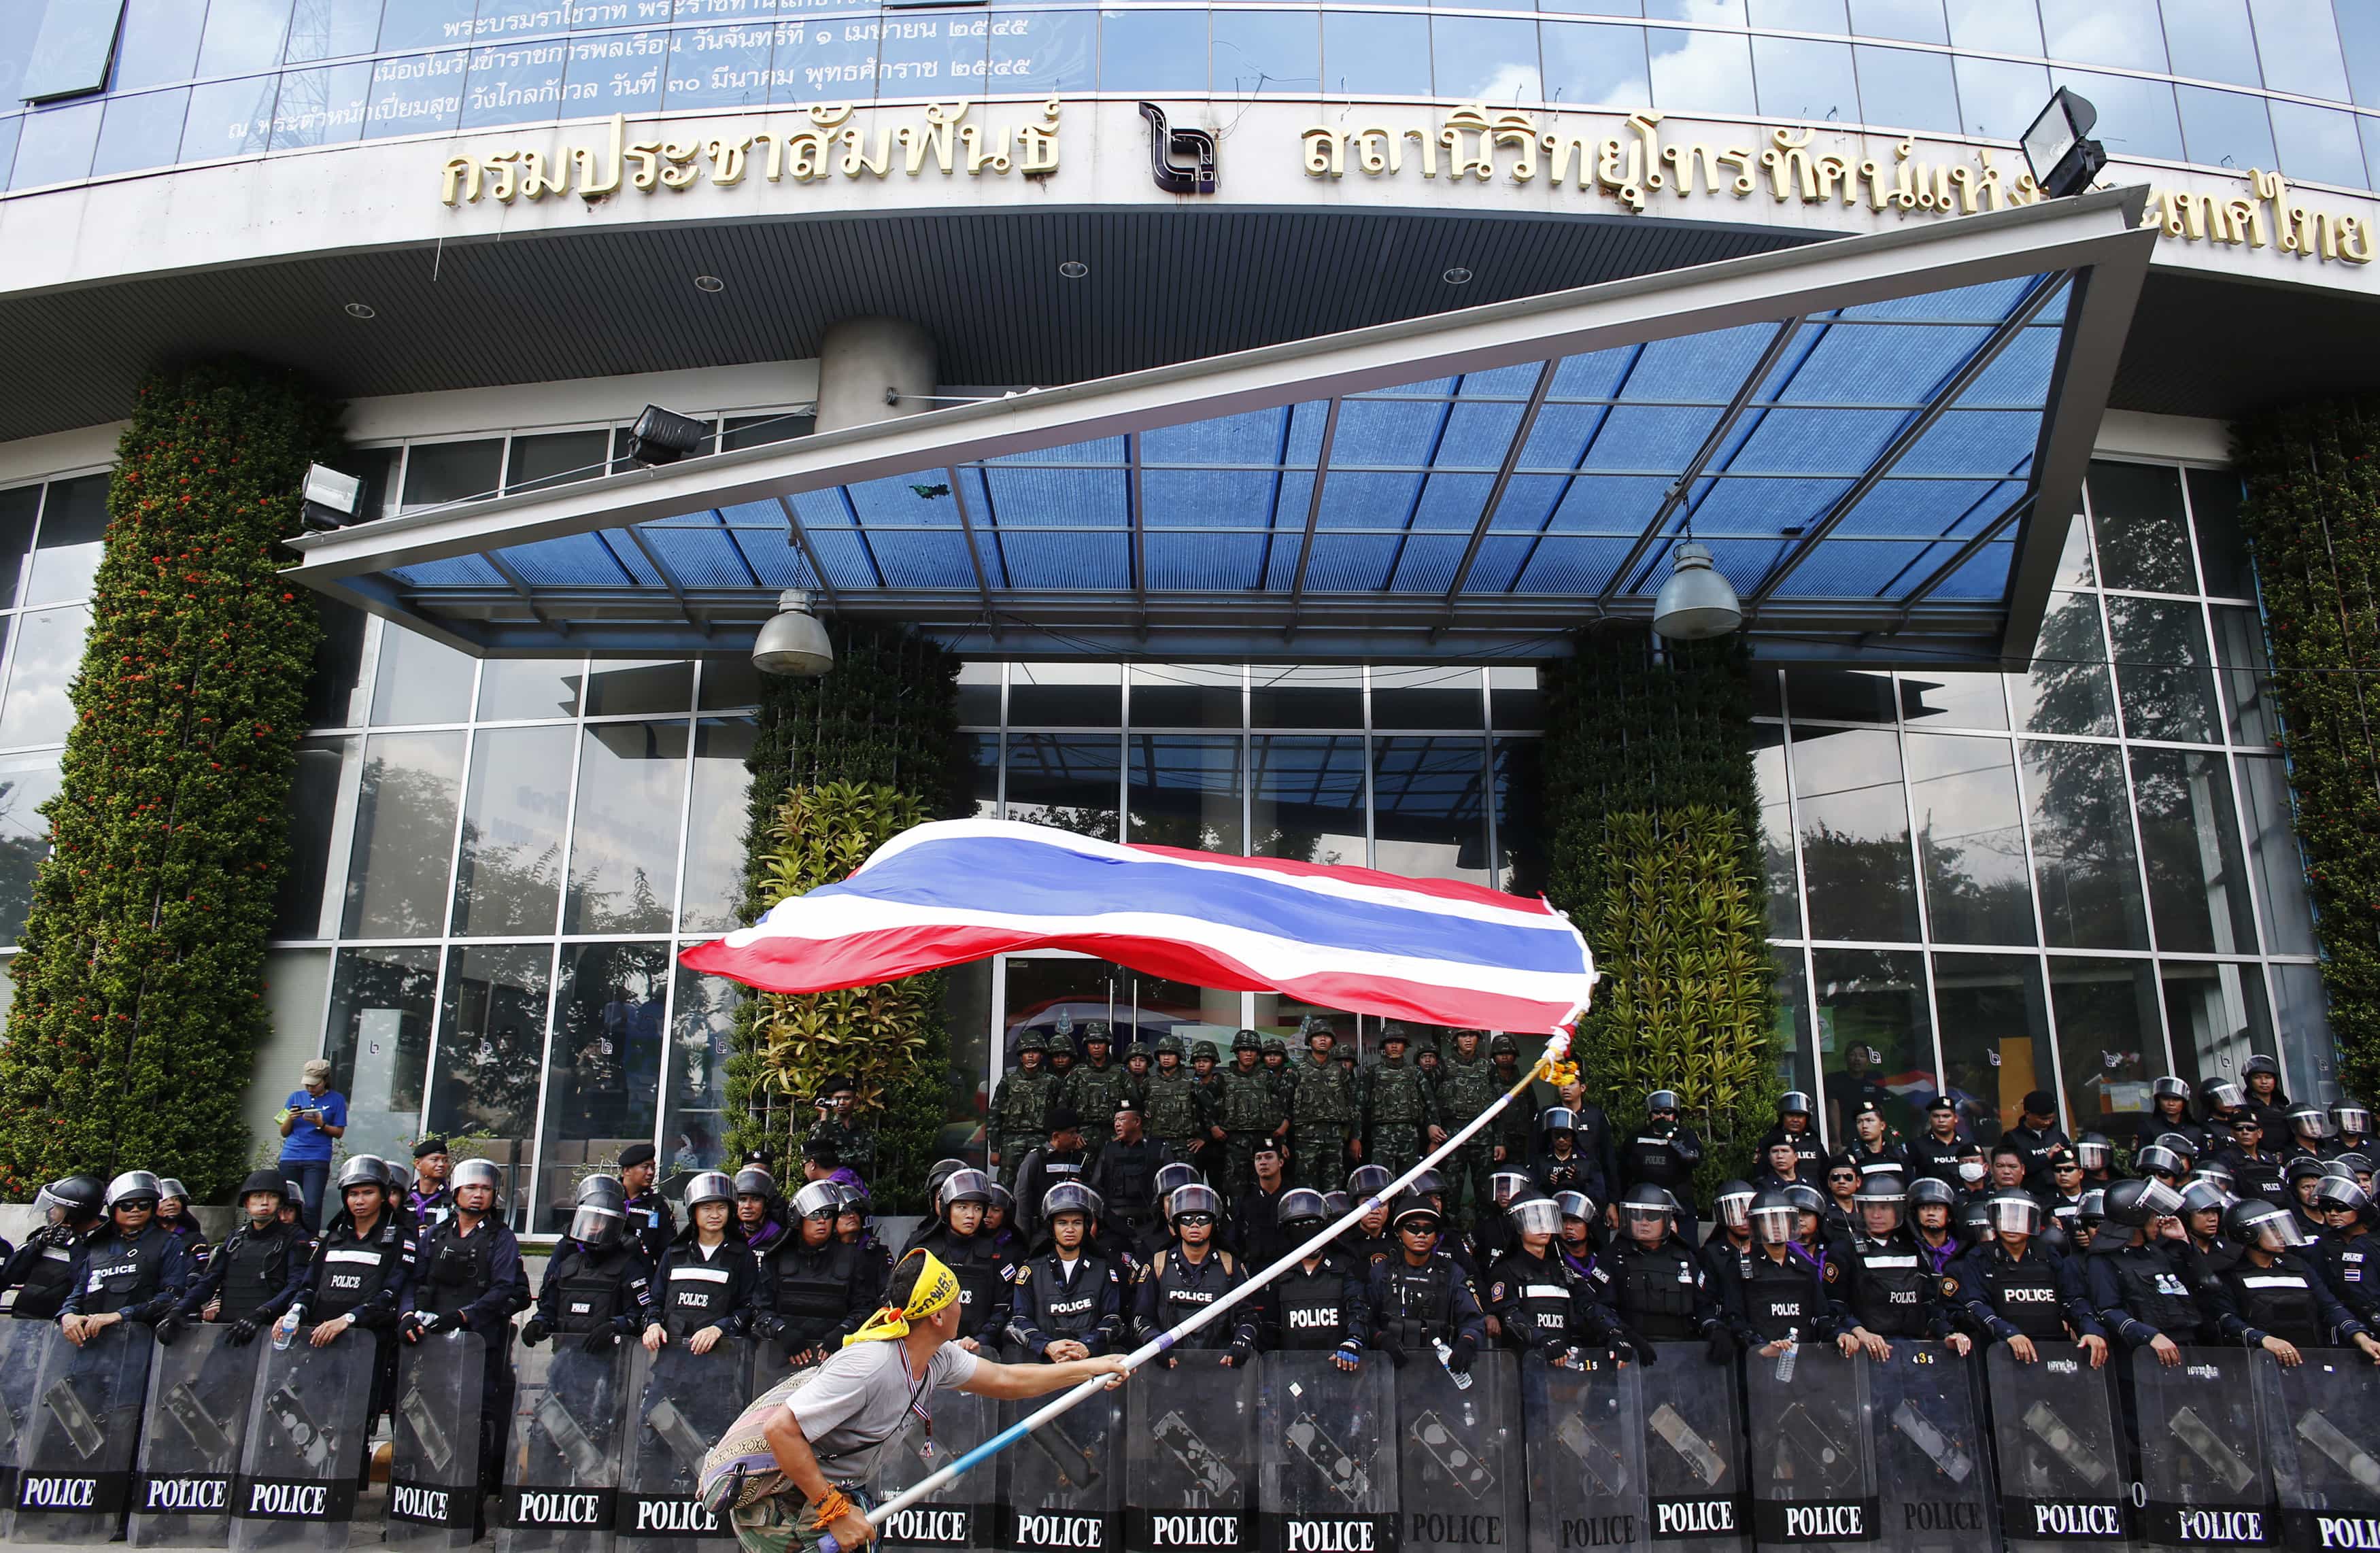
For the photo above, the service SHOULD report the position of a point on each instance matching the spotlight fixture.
(1073, 269)
(1457, 276)
(1696, 603)
(663, 436)
(709, 283)
(2063, 159)
(331, 498)
(361, 311)
(792, 642)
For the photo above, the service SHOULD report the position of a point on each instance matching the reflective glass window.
(624, 69)
(1153, 50)
(1969, 838)
(508, 868)
(1174, 696)
(1069, 781)
(321, 107)
(1716, 13)
(1065, 696)
(48, 653)
(1876, 1036)
(1790, 1040)
(159, 43)
(2225, 128)
(2301, 1021)
(2249, 714)
(377, 1042)
(930, 53)
(27, 782)
(54, 145)
(313, 813)
(2136, 115)
(230, 118)
(1916, 21)
(2216, 1016)
(1382, 52)
(1590, 65)
(979, 693)
(334, 682)
(73, 40)
(603, 1069)
(1801, 78)
(1998, 98)
(2298, 41)
(2318, 145)
(491, 1055)
(1305, 798)
(1267, 52)
(2074, 567)
(556, 458)
(718, 67)
(2067, 691)
(438, 473)
(1425, 698)
(1840, 695)
(1516, 702)
(2215, 498)
(1854, 833)
(66, 559)
(702, 1034)
(1185, 792)
(1996, 26)
(1484, 60)
(1044, 52)
(728, 685)
(2124, 33)
(1701, 72)
(1321, 695)
(617, 688)
(18, 509)
(2273, 849)
(2108, 1040)
(2359, 36)
(2084, 868)
(2212, 40)
(1429, 819)
(1906, 89)
(405, 836)
(243, 35)
(1801, 16)
(1953, 700)
(1596, 8)
(518, 689)
(426, 24)
(2190, 841)
(1777, 831)
(715, 841)
(623, 833)
(1995, 1046)
(420, 680)
(981, 754)
(332, 29)
(1520, 815)
(418, 95)
(2162, 679)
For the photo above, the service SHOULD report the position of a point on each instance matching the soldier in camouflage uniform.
(1398, 1105)
(1517, 1130)
(1466, 1087)
(1247, 1107)
(1174, 1102)
(1020, 1106)
(1061, 1050)
(1205, 1060)
(1095, 1088)
(1136, 1067)
(1325, 1112)
(1276, 1059)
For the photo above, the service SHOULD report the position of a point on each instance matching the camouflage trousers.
(1318, 1158)
(785, 1522)
(1239, 1165)
(1012, 1150)
(1395, 1148)
(1468, 1194)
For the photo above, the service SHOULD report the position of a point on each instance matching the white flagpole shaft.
(1066, 1400)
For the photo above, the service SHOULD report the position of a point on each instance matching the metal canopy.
(1879, 437)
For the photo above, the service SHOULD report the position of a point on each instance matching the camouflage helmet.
(1393, 1031)
(1501, 1045)
(1275, 1047)
(1312, 1025)
(1205, 1049)
(1245, 1041)
(1095, 1030)
(1169, 1043)
(1033, 1041)
(1136, 1053)
(1062, 1045)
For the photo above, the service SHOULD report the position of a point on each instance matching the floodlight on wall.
(662, 436)
(332, 499)
(793, 643)
(2058, 148)
(1696, 603)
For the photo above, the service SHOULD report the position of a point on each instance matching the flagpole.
(1556, 1049)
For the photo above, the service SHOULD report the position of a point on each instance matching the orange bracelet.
(831, 1509)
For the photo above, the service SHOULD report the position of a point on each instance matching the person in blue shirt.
(311, 1119)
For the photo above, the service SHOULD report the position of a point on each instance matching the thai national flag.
(1341, 937)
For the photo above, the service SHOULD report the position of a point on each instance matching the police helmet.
(2092, 1207)
(2310, 1121)
(2304, 1166)
(169, 1187)
(1169, 1045)
(1807, 1199)
(1575, 1204)
(2181, 1144)
(2222, 1094)
(2157, 1160)
(2093, 1152)
(1974, 1220)
(1414, 1205)
(258, 1181)
(1246, 1040)
(488, 1174)
(1795, 1102)
(1301, 1205)
(2357, 1164)
(1553, 1120)
(2133, 1203)
(2338, 1191)
(1367, 1181)
(964, 1186)
(293, 1191)
(361, 1169)
(2260, 1063)
(1207, 1049)
(1429, 1185)
(2352, 1119)
(1195, 1198)
(854, 1195)
(2203, 1195)
(1646, 1203)
(1069, 1197)
(1660, 1101)
(1174, 1176)
(2254, 1222)
(818, 1200)
(754, 1181)
(1502, 1045)
(2215, 1172)
(703, 1186)
(75, 1198)
(1062, 1045)
(1338, 1205)
(937, 1172)
(1002, 1198)
(602, 1185)
(1733, 1205)
(599, 1222)
(1776, 1219)
(1883, 1186)
(1505, 1186)
(1929, 1189)
(1535, 1216)
(2169, 1087)
(2014, 1213)
(1032, 1041)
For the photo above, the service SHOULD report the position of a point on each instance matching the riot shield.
(191, 1435)
(1586, 1434)
(2322, 1434)
(2202, 1471)
(1696, 1495)
(960, 1515)
(562, 1473)
(78, 1458)
(22, 1347)
(1460, 1461)
(1813, 1461)
(435, 1420)
(1061, 1486)
(1190, 1456)
(303, 1458)
(1324, 1482)
(682, 1402)
(1933, 1468)
(2060, 1450)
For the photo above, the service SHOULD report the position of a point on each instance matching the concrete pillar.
(865, 361)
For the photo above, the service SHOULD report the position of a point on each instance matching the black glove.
(409, 1326)
(1239, 1353)
(167, 1331)
(1723, 1345)
(242, 1333)
(1643, 1352)
(532, 1333)
(768, 1327)
(1352, 1351)
(602, 1340)
(1466, 1351)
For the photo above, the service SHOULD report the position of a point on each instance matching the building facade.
(2026, 820)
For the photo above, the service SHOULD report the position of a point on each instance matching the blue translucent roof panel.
(2020, 375)
(1879, 364)
(913, 559)
(1851, 569)
(1425, 388)
(1102, 450)
(1607, 504)
(1594, 375)
(906, 501)
(1973, 442)
(1983, 577)
(1253, 437)
(1206, 563)
(1351, 562)
(1766, 507)
(1795, 441)
(1428, 564)
(1069, 562)
(631, 559)
(774, 558)
(1058, 498)
(1452, 501)
(699, 557)
(461, 571)
(1367, 499)
(1912, 508)
(848, 559)
(1640, 437)
(1502, 383)
(1559, 438)
(1562, 564)
(1699, 367)
(1478, 435)
(573, 561)
(1987, 303)
(1527, 500)
(1499, 563)
(1207, 498)
(1387, 431)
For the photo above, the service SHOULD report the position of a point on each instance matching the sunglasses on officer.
(1193, 1220)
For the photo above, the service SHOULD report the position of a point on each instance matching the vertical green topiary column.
(140, 988)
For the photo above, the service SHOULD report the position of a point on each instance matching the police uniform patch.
(1834, 1272)
(1949, 1288)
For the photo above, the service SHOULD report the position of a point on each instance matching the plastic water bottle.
(284, 1329)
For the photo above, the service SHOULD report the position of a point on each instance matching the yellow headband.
(937, 1288)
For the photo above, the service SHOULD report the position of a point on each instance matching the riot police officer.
(1884, 1280)
(2012, 1289)
(1123, 1178)
(1319, 1304)
(985, 1272)
(1060, 1157)
(254, 1274)
(2168, 1112)
(2036, 1134)
(362, 1273)
(431, 1196)
(708, 1286)
(1538, 1301)
(1069, 1299)
(2351, 1123)
(1324, 1112)
(1782, 1298)
(1253, 1229)
(2272, 1297)
(1934, 1152)
(814, 1289)
(132, 1268)
(2137, 1284)
(1494, 1235)
(2347, 1254)
(2256, 1171)
(1793, 1129)
(1725, 1253)
(471, 1279)
(1420, 1298)
(2309, 1136)
(1247, 1107)
(1398, 1106)
(1663, 1153)
(651, 1219)
(1929, 1204)
(2303, 1174)
(1189, 1274)
(1560, 1165)
(43, 1270)
(598, 1287)
(1654, 1282)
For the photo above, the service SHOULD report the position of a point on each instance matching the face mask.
(1970, 1171)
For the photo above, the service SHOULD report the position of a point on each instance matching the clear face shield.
(2315, 1124)
(52, 1208)
(2278, 1233)
(1646, 1225)
(2014, 1216)
(1539, 1215)
(593, 1225)
(2092, 1156)
(2159, 1200)
(1881, 1216)
(1735, 1210)
(2223, 1094)
(2352, 1120)
(1776, 1225)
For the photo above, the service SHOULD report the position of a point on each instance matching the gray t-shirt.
(858, 1403)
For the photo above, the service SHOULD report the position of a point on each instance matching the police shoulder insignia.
(1021, 1277)
(1949, 1288)
(1496, 1292)
(1834, 1272)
